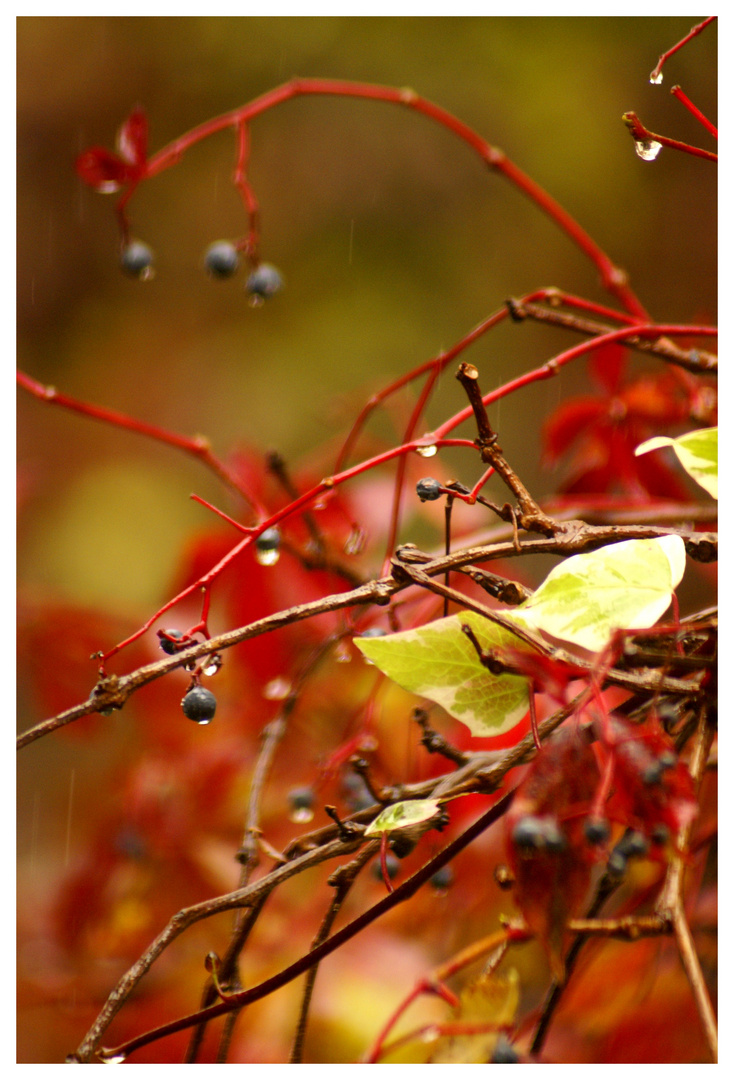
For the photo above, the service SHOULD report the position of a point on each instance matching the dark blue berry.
(660, 834)
(428, 489)
(442, 878)
(199, 705)
(263, 282)
(268, 540)
(168, 646)
(137, 260)
(538, 834)
(222, 259)
(633, 844)
(597, 830)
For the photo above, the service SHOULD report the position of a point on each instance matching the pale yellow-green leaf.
(621, 586)
(698, 453)
(402, 815)
(437, 661)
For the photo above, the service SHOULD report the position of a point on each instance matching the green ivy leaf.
(698, 453)
(401, 815)
(437, 661)
(587, 597)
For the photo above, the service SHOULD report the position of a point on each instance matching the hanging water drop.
(656, 77)
(647, 149)
(301, 801)
(267, 547)
(427, 451)
(213, 666)
(114, 1059)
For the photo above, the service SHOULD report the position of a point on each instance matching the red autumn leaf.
(651, 787)
(107, 172)
(568, 422)
(132, 139)
(607, 365)
(103, 170)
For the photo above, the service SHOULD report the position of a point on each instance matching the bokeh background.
(393, 241)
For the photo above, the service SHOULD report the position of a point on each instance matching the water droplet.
(427, 451)
(301, 815)
(203, 722)
(277, 689)
(267, 558)
(114, 1059)
(656, 77)
(647, 149)
(214, 664)
(355, 541)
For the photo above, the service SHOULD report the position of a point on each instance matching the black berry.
(199, 705)
(137, 260)
(597, 830)
(428, 489)
(538, 834)
(168, 646)
(263, 282)
(221, 259)
(633, 844)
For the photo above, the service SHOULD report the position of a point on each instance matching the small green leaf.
(698, 453)
(437, 661)
(621, 586)
(401, 815)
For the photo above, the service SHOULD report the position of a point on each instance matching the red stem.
(685, 100)
(549, 369)
(684, 41)
(198, 446)
(612, 277)
(641, 134)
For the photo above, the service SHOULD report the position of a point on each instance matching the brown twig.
(670, 903)
(696, 360)
(531, 516)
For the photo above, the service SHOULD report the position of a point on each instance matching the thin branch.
(113, 691)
